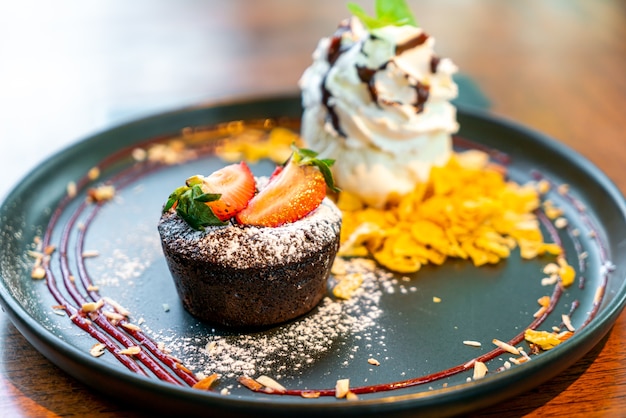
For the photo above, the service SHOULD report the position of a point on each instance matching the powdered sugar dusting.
(249, 246)
(290, 349)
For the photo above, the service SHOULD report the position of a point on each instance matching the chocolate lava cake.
(240, 275)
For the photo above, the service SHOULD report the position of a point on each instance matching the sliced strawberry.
(291, 193)
(276, 171)
(235, 183)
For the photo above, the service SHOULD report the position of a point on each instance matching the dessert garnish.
(377, 98)
(388, 13)
(467, 209)
(266, 257)
(293, 191)
(212, 200)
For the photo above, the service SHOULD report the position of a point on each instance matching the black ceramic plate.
(395, 321)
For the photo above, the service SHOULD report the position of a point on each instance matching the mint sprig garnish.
(388, 13)
(190, 205)
(303, 156)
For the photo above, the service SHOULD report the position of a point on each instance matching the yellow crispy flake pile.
(467, 210)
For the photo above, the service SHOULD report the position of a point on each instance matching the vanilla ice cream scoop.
(378, 102)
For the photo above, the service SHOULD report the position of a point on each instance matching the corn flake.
(467, 209)
(544, 339)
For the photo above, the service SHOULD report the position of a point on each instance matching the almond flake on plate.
(92, 306)
(118, 308)
(97, 350)
(270, 383)
(131, 327)
(130, 351)
(342, 388)
(90, 253)
(38, 273)
(505, 346)
(568, 322)
(480, 370)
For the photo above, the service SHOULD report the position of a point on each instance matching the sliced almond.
(139, 154)
(130, 351)
(38, 273)
(71, 189)
(97, 350)
(505, 346)
(113, 316)
(270, 383)
(342, 387)
(92, 306)
(118, 308)
(90, 254)
(568, 323)
(102, 193)
(540, 312)
(93, 173)
(351, 396)
(37, 255)
(131, 327)
(480, 370)
(373, 361)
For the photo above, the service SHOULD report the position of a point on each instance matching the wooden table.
(70, 68)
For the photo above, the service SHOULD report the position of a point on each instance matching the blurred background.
(70, 68)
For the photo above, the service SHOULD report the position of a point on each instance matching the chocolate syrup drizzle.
(366, 75)
(152, 361)
(115, 338)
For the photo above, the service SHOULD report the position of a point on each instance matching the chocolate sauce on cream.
(335, 49)
(332, 115)
(422, 91)
(367, 75)
(434, 63)
(411, 43)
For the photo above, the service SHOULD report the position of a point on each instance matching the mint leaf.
(388, 13)
(207, 197)
(324, 167)
(368, 21)
(173, 198)
(190, 206)
(305, 156)
(395, 11)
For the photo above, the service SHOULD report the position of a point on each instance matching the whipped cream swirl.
(379, 103)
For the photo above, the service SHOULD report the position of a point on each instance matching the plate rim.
(585, 340)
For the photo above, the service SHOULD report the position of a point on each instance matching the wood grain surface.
(71, 68)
